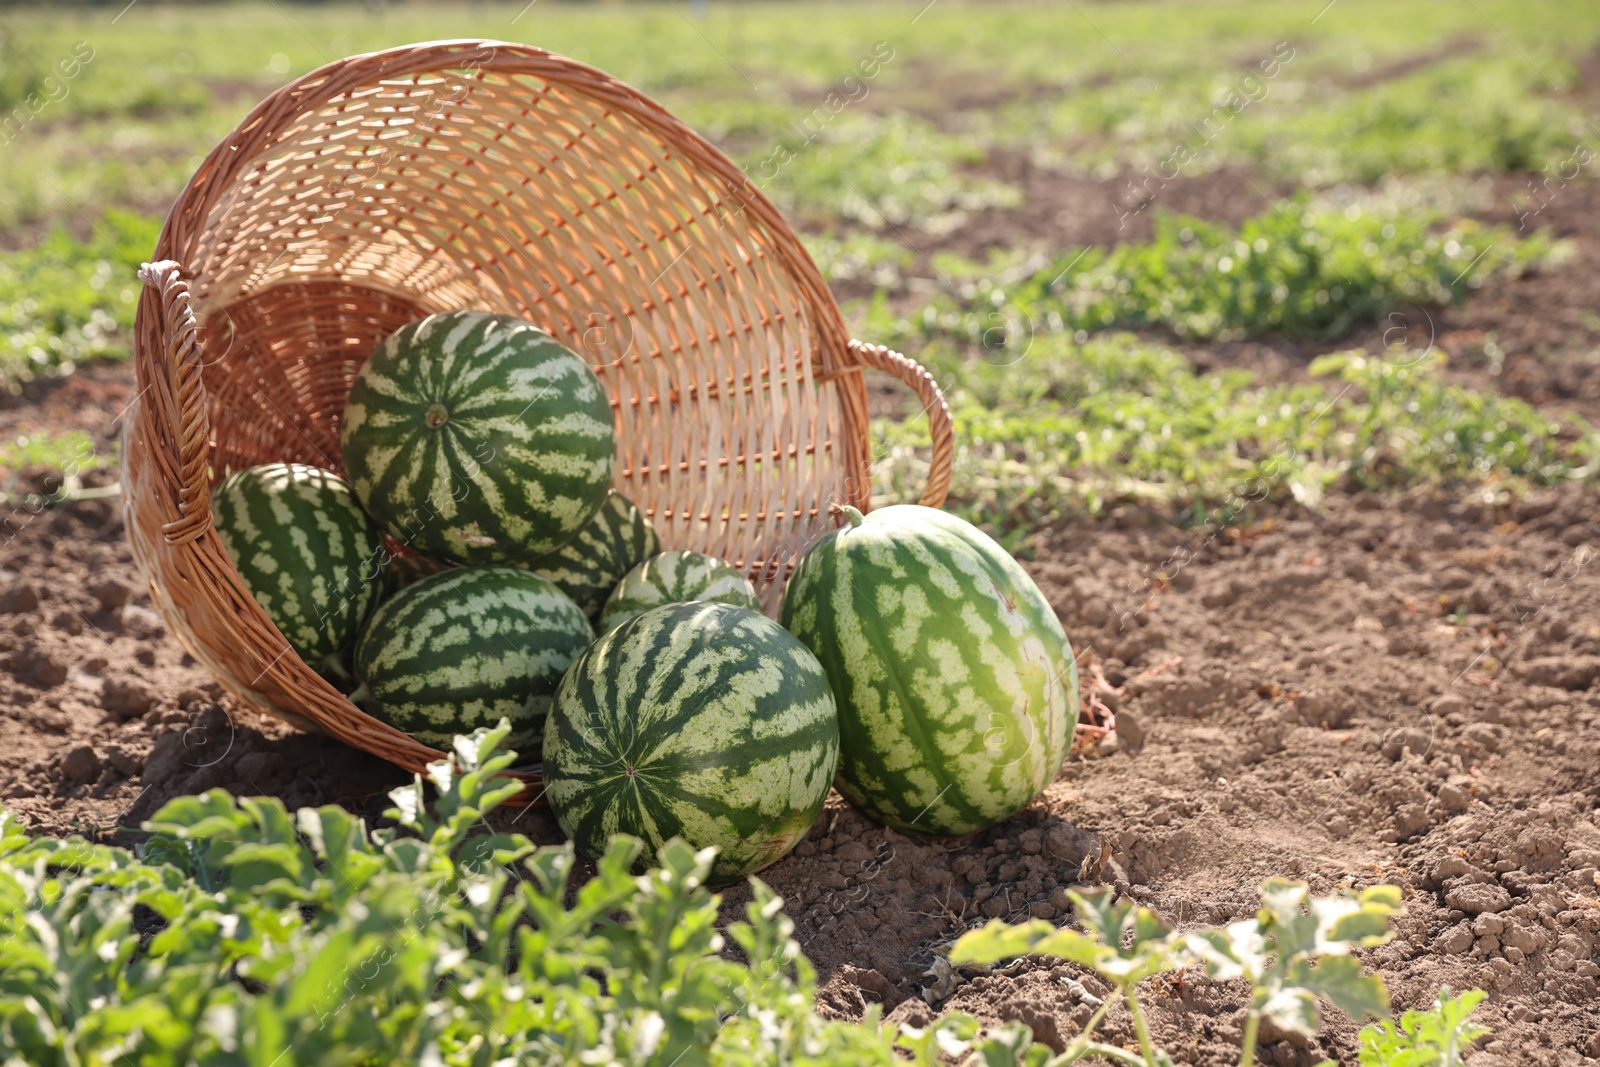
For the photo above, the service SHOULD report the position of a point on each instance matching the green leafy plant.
(240, 934)
(1121, 941)
(1468, 114)
(71, 451)
(1079, 428)
(1296, 948)
(1290, 269)
(65, 300)
(878, 172)
(1438, 1037)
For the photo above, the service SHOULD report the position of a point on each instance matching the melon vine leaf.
(1122, 941)
(1435, 1038)
(1340, 979)
(998, 940)
(1011, 1046)
(1297, 947)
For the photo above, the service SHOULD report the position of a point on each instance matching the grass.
(1492, 110)
(878, 172)
(1078, 429)
(65, 300)
(1071, 84)
(1290, 270)
(70, 450)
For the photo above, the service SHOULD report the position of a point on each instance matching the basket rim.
(238, 151)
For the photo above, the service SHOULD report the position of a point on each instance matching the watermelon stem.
(851, 513)
(1141, 1029)
(332, 668)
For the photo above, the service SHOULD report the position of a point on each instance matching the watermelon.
(677, 578)
(957, 687)
(703, 721)
(589, 566)
(460, 649)
(477, 438)
(307, 553)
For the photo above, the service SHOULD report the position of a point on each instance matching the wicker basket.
(475, 174)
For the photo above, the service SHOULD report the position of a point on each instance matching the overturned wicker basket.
(474, 174)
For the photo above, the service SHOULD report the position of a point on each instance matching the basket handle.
(941, 427)
(180, 333)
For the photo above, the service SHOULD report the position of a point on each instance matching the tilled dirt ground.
(1387, 690)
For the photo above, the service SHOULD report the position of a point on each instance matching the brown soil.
(1061, 211)
(1391, 689)
(1396, 690)
(105, 716)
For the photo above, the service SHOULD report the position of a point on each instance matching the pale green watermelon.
(957, 687)
(465, 648)
(307, 553)
(588, 567)
(677, 577)
(703, 721)
(478, 438)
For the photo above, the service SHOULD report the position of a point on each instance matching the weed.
(67, 300)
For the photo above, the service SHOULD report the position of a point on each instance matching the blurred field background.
(1171, 257)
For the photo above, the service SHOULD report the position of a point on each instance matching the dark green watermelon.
(676, 577)
(463, 649)
(307, 552)
(588, 567)
(957, 687)
(478, 438)
(704, 721)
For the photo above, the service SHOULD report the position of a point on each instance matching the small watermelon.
(477, 438)
(590, 565)
(462, 649)
(677, 578)
(957, 688)
(307, 553)
(703, 721)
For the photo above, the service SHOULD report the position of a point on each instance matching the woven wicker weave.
(471, 174)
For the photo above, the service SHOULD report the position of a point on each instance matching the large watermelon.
(957, 688)
(704, 721)
(461, 649)
(611, 544)
(477, 438)
(677, 578)
(307, 553)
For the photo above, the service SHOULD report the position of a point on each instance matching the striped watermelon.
(307, 553)
(477, 438)
(677, 578)
(703, 721)
(590, 565)
(957, 688)
(461, 649)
